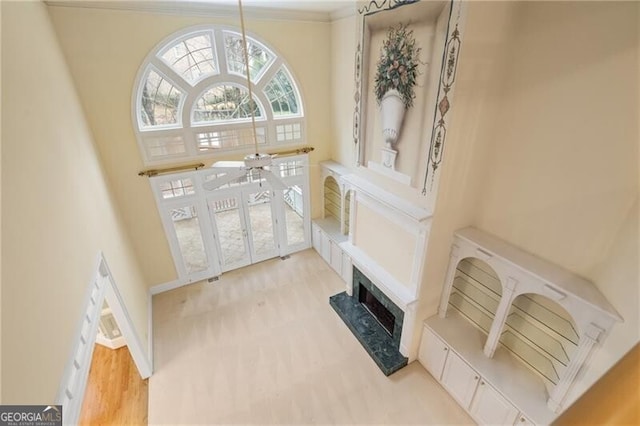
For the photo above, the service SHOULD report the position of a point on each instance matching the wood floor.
(263, 346)
(115, 394)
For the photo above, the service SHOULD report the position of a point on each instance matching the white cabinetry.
(459, 379)
(519, 331)
(490, 407)
(433, 353)
(473, 392)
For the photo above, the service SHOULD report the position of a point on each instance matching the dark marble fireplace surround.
(381, 345)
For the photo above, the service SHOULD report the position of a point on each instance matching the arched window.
(191, 97)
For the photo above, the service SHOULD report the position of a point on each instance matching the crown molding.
(199, 8)
(343, 12)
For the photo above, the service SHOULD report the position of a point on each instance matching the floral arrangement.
(398, 65)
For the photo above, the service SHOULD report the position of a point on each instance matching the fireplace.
(377, 309)
(374, 320)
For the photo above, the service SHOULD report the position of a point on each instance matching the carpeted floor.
(263, 346)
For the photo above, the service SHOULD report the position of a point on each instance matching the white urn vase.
(391, 114)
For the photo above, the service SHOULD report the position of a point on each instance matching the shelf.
(475, 293)
(530, 356)
(480, 272)
(535, 306)
(471, 311)
(535, 331)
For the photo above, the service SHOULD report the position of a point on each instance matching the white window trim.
(192, 91)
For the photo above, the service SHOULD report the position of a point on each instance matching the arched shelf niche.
(476, 292)
(332, 199)
(542, 334)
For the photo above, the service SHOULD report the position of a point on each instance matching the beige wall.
(57, 212)
(343, 51)
(105, 48)
(562, 181)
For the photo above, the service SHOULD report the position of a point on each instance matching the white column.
(582, 353)
(408, 326)
(508, 294)
(454, 258)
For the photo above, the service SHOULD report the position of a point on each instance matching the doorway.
(115, 392)
(238, 224)
(244, 226)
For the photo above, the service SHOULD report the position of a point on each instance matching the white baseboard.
(171, 285)
(116, 343)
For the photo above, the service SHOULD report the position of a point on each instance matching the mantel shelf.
(389, 200)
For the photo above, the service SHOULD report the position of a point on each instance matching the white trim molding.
(74, 378)
(199, 8)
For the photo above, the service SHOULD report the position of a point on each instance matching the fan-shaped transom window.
(192, 57)
(159, 101)
(191, 97)
(259, 56)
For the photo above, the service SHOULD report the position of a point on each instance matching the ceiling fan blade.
(229, 176)
(224, 166)
(275, 182)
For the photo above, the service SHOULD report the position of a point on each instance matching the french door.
(244, 226)
(211, 232)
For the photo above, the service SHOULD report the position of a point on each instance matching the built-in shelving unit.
(537, 332)
(512, 317)
(332, 229)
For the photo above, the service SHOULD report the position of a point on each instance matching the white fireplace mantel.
(394, 264)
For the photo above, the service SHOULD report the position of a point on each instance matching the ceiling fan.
(259, 162)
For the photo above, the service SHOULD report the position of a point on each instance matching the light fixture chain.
(246, 64)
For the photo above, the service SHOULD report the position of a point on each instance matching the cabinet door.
(459, 379)
(433, 353)
(336, 257)
(523, 421)
(317, 238)
(325, 251)
(489, 407)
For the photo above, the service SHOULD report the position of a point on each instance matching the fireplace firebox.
(377, 309)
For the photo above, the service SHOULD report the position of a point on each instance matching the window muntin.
(192, 58)
(229, 138)
(223, 103)
(177, 188)
(166, 146)
(159, 101)
(282, 95)
(175, 120)
(259, 56)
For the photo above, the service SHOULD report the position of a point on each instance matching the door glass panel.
(261, 221)
(294, 212)
(230, 230)
(187, 228)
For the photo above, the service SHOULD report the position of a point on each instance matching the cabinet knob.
(476, 378)
(446, 349)
(522, 419)
(482, 383)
